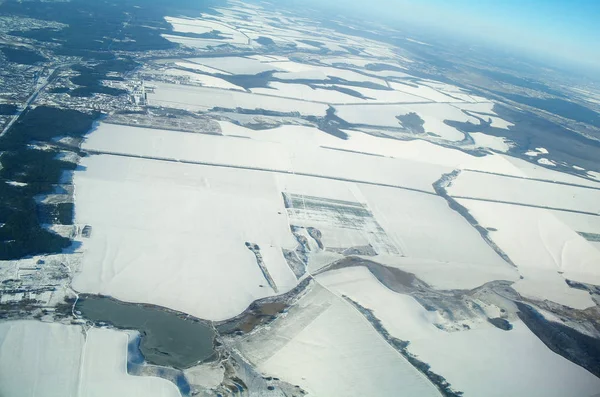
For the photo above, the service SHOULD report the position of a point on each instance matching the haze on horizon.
(565, 30)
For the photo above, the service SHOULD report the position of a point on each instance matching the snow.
(491, 142)
(579, 222)
(379, 115)
(68, 156)
(524, 191)
(481, 108)
(46, 360)
(531, 170)
(389, 74)
(484, 109)
(413, 221)
(330, 349)
(492, 362)
(188, 25)
(201, 98)
(426, 154)
(454, 92)
(594, 175)
(177, 232)
(236, 65)
(423, 91)
(546, 162)
(541, 246)
(433, 115)
(263, 58)
(200, 68)
(306, 93)
(445, 275)
(356, 62)
(389, 96)
(193, 42)
(497, 122)
(537, 152)
(359, 284)
(105, 369)
(16, 184)
(533, 369)
(295, 70)
(287, 149)
(203, 79)
(346, 165)
(208, 375)
(175, 145)
(295, 148)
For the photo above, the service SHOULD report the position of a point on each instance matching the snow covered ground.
(54, 360)
(289, 149)
(200, 98)
(295, 71)
(545, 250)
(161, 209)
(236, 65)
(177, 145)
(477, 362)
(171, 213)
(203, 26)
(306, 93)
(197, 78)
(178, 232)
(328, 348)
(492, 362)
(536, 193)
(424, 227)
(199, 67)
(487, 141)
(385, 115)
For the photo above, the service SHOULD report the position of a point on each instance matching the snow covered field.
(492, 362)
(183, 146)
(288, 149)
(197, 78)
(236, 65)
(477, 362)
(200, 44)
(529, 192)
(200, 98)
(178, 232)
(330, 349)
(295, 71)
(487, 141)
(204, 26)
(199, 67)
(306, 93)
(414, 221)
(385, 115)
(173, 214)
(545, 250)
(53, 360)
(146, 213)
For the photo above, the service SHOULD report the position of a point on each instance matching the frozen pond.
(168, 338)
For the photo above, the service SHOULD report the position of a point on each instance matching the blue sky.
(562, 28)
